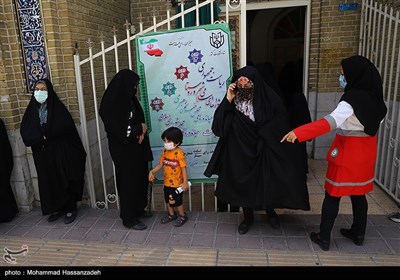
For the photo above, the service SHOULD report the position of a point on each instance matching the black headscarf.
(118, 101)
(364, 92)
(59, 120)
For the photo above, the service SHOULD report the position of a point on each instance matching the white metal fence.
(92, 76)
(380, 42)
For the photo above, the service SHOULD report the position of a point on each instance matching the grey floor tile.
(225, 228)
(207, 217)
(95, 235)
(158, 238)
(31, 220)
(56, 233)
(188, 227)
(203, 240)
(118, 225)
(267, 230)
(180, 240)
(18, 230)
(294, 230)
(346, 245)
(226, 241)
(75, 234)
(38, 232)
(115, 236)
(249, 242)
(137, 237)
(226, 217)
(376, 246)
(208, 228)
(298, 243)
(104, 223)
(5, 227)
(389, 231)
(85, 222)
(394, 245)
(274, 243)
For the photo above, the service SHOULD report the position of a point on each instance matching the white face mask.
(40, 96)
(169, 146)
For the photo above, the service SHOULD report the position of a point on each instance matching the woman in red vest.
(352, 155)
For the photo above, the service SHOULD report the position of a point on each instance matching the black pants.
(330, 209)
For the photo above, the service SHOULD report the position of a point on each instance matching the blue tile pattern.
(31, 27)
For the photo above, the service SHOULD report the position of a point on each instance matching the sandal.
(168, 219)
(180, 221)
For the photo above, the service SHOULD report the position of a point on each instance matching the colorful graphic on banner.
(184, 76)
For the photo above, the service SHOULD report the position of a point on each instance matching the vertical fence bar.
(182, 14)
(373, 53)
(380, 155)
(97, 123)
(390, 156)
(116, 50)
(243, 41)
(392, 184)
(202, 197)
(387, 97)
(84, 130)
(197, 13)
(369, 28)
(226, 11)
(215, 198)
(128, 43)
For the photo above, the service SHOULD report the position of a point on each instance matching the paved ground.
(98, 238)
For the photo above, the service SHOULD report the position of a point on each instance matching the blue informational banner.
(348, 6)
(184, 75)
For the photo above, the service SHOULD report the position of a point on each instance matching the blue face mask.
(342, 81)
(40, 96)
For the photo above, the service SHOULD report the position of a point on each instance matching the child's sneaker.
(169, 218)
(180, 221)
(395, 217)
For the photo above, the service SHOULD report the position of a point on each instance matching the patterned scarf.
(43, 114)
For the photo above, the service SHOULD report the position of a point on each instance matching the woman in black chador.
(47, 126)
(129, 145)
(255, 171)
(8, 205)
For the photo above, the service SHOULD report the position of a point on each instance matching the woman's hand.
(140, 138)
(151, 176)
(230, 94)
(144, 128)
(290, 137)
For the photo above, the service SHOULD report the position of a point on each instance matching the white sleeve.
(342, 112)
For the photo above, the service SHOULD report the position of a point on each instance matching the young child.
(175, 175)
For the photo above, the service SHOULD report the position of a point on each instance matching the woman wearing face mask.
(129, 146)
(254, 170)
(48, 128)
(351, 157)
(175, 175)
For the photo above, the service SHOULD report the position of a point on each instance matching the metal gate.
(92, 77)
(380, 42)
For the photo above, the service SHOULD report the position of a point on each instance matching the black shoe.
(54, 216)
(139, 226)
(358, 240)
(323, 244)
(273, 219)
(70, 218)
(244, 227)
(6, 220)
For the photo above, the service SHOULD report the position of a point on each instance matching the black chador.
(123, 116)
(57, 151)
(8, 205)
(254, 168)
